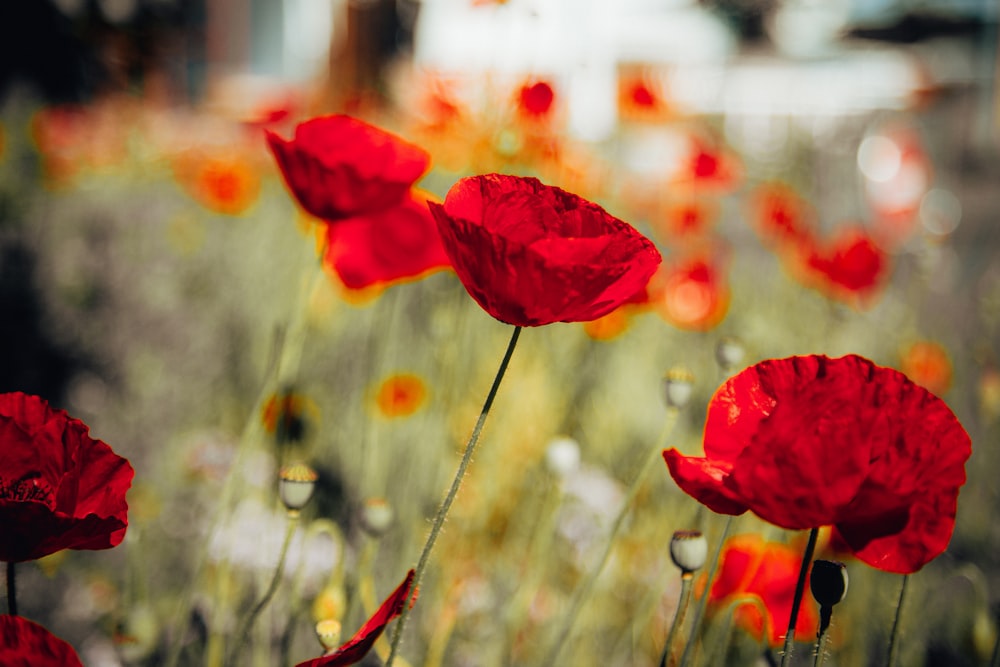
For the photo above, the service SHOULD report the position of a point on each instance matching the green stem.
(584, 590)
(800, 588)
(682, 606)
(11, 589)
(825, 613)
(699, 610)
(442, 512)
(242, 637)
(893, 638)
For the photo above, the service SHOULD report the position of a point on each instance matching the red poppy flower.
(810, 441)
(692, 294)
(59, 489)
(27, 644)
(535, 99)
(762, 575)
(358, 646)
(339, 167)
(380, 248)
(850, 268)
(532, 254)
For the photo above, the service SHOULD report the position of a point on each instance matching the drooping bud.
(828, 583)
(688, 550)
(677, 387)
(296, 486)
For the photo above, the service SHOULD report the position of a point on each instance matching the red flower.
(850, 267)
(535, 99)
(387, 246)
(810, 441)
(59, 489)
(762, 576)
(339, 167)
(927, 363)
(358, 646)
(532, 254)
(780, 216)
(27, 644)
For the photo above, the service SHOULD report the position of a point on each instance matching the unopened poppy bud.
(688, 550)
(729, 353)
(376, 516)
(296, 486)
(828, 582)
(677, 386)
(562, 457)
(328, 633)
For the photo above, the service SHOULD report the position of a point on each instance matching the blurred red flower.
(810, 441)
(358, 646)
(383, 247)
(340, 167)
(59, 489)
(532, 254)
(850, 267)
(535, 99)
(780, 216)
(27, 644)
(227, 184)
(760, 578)
(691, 294)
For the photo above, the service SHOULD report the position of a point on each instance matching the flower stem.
(682, 606)
(893, 638)
(11, 589)
(800, 587)
(699, 610)
(442, 512)
(825, 614)
(242, 637)
(584, 590)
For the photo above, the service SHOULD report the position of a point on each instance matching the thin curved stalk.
(442, 512)
(243, 634)
(894, 636)
(699, 610)
(682, 606)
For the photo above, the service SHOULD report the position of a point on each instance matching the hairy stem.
(894, 637)
(800, 588)
(682, 606)
(442, 512)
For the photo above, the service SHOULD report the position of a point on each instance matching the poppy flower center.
(28, 488)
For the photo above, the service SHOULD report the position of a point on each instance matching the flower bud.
(677, 386)
(376, 516)
(828, 582)
(328, 633)
(562, 457)
(688, 550)
(729, 353)
(296, 486)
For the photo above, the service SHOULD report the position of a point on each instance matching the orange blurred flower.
(760, 577)
(927, 364)
(688, 217)
(222, 183)
(691, 293)
(640, 97)
(400, 395)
